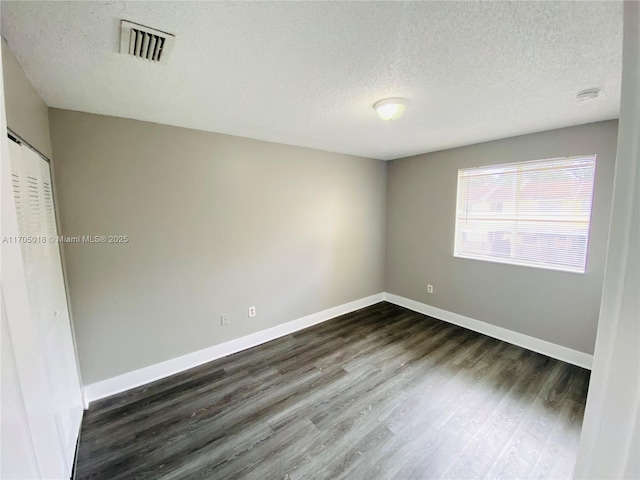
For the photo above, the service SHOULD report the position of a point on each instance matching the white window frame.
(461, 210)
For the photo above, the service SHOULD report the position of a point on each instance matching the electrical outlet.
(252, 311)
(224, 319)
(429, 288)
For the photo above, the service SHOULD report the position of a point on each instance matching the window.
(534, 214)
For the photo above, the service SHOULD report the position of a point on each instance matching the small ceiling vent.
(144, 42)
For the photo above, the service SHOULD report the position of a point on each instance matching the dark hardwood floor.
(379, 393)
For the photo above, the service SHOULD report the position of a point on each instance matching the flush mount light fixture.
(390, 108)
(587, 95)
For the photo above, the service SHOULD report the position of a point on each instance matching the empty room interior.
(320, 240)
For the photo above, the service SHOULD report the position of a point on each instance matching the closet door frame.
(41, 336)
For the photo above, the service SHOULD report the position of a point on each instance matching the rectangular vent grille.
(145, 45)
(144, 42)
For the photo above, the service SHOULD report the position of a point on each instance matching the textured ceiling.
(308, 73)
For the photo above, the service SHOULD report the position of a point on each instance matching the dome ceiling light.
(390, 108)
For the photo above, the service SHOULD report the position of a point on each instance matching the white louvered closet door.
(35, 211)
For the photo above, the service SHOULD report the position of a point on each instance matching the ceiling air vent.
(144, 42)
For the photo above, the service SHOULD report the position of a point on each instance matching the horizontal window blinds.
(530, 213)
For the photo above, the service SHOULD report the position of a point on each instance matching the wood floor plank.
(379, 393)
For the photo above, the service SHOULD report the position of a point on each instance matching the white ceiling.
(308, 73)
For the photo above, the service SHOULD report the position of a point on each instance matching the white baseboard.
(126, 381)
(549, 349)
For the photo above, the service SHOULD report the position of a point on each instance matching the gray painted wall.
(421, 198)
(216, 224)
(27, 114)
